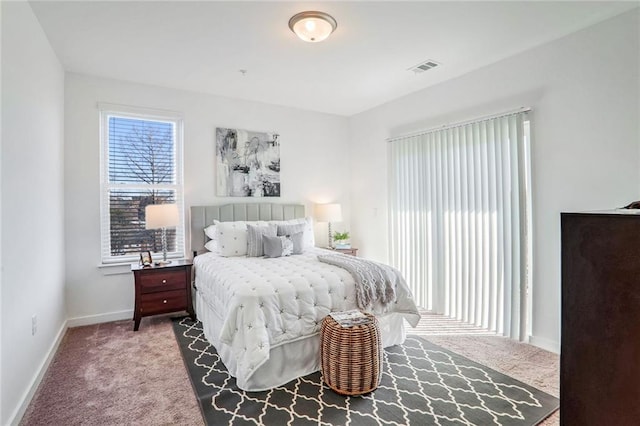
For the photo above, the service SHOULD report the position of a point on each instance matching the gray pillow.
(254, 238)
(298, 242)
(290, 229)
(283, 245)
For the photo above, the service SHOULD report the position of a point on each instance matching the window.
(141, 165)
(460, 218)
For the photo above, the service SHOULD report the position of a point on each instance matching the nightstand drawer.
(162, 281)
(163, 301)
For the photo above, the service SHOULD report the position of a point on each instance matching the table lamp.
(329, 213)
(162, 216)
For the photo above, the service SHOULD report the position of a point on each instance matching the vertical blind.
(141, 166)
(458, 223)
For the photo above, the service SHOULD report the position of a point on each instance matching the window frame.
(112, 110)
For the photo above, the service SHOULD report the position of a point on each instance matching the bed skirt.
(289, 361)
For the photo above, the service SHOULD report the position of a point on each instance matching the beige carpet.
(106, 374)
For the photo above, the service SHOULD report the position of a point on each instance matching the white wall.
(584, 91)
(32, 202)
(1, 223)
(315, 168)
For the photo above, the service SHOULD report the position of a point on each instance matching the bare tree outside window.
(141, 162)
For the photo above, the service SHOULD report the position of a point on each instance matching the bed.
(263, 315)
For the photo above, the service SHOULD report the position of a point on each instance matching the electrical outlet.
(34, 324)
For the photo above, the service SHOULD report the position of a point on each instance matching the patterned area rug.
(422, 384)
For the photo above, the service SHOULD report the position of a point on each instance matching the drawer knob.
(164, 281)
(164, 301)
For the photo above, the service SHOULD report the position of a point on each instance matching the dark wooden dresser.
(600, 349)
(162, 289)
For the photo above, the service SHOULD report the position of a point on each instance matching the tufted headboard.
(203, 216)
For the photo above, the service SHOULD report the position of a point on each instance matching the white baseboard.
(546, 344)
(17, 415)
(100, 318)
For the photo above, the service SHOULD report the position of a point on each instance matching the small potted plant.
(341, 240)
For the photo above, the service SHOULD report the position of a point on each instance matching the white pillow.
(232, 236)
(309, 239)
(232, 239)
(210, 231)
(212, 245)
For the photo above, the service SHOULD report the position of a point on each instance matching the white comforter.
(268, 302)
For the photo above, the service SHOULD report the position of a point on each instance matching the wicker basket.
(351, 357)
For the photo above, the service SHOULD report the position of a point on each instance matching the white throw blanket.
(375, 282)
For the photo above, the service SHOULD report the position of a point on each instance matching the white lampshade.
(161, 216)
(328, 212)
(312, 26)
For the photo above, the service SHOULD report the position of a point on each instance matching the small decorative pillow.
(295, 230)
(284, 245)
(284, 229)
(254, 238)
(309, 237)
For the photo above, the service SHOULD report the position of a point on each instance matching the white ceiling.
(201, 46)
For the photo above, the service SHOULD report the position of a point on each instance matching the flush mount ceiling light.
(312, 26)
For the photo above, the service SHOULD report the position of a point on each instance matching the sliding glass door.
(459, 220)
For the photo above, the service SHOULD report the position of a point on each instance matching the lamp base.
(330, 236)
(164, 260)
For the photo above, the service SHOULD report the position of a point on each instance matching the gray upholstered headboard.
(203, 216)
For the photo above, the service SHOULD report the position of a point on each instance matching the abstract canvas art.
(247, 163)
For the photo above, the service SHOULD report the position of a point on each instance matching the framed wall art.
(247, 163)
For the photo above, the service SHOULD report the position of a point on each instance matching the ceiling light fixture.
(312, 26)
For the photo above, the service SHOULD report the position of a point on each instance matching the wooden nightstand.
(352, 251)
(162, 289)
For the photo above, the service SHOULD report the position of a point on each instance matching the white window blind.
(141, 165)
(459, 219)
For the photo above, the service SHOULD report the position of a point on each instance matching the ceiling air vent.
(424, 66)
